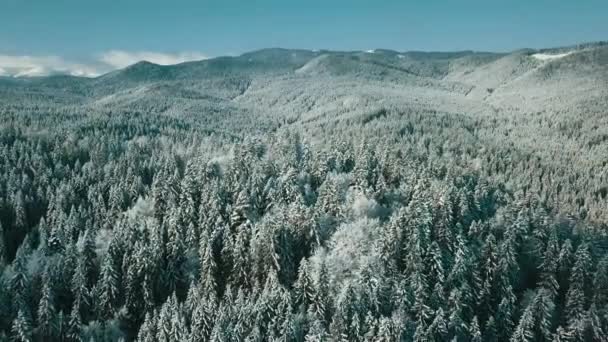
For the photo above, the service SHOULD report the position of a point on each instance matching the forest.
(157, 220)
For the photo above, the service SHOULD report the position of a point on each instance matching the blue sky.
(86, 31)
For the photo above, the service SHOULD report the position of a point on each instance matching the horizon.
(159, 59)
(92, 38)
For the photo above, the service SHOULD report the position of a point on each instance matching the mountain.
(302, 195)
(481, 75)
(315, 86)
(310, 87)
(556, 86)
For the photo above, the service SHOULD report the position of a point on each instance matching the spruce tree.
(46, 312)
(22, 327)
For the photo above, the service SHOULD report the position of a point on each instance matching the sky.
(90, 37)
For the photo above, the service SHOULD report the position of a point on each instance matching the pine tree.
(20, 281)
(490, 333)
(55, 241)
(445, 220)
(549, 267)
(20, 220)
(544, 308)
(562, 335)
(421, 296)
(46, 312)
(600, 283)
(389, 244)
(241, 276)
(436, 266)
(22, 327)
(459, 273)
(3, 256)
(422, 332)
(576, 300)
(504, 319)
(283, 257)
(489, 274)
(240, 211)
(137, 294)
(226, 260)
(74, 325)
(342, 322)
(174, 273)
(457, 321)
(474, 330)
(285, 330)
(438, 329)
(317, 332)
(164, 324)
(89, 257)
(579, 328)
(508, 267)
(161, 193)
(565, 259)
(524, 332)
(202, 321)
(321, 302)
(79, 289)
(329, 199)
(108, 290)
(364, 167)
(304, 286)
(598, 327)
(179, 331)
(271, 304)
(208, 272)
(147, 330)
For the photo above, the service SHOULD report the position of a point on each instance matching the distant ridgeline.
(309, 196)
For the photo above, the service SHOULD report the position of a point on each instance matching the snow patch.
(549, 57)
(350, 247)
(143, 208)
(312, 64)
(364, 207)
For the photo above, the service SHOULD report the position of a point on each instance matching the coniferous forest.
(251, 202)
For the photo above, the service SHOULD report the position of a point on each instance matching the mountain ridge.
(266, 53)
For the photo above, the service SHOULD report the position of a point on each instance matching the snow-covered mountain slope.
(312, 88)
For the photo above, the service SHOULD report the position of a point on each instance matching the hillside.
(300, 195)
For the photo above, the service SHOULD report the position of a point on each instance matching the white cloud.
(43, 65)
(28, 66)
(121, 59)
